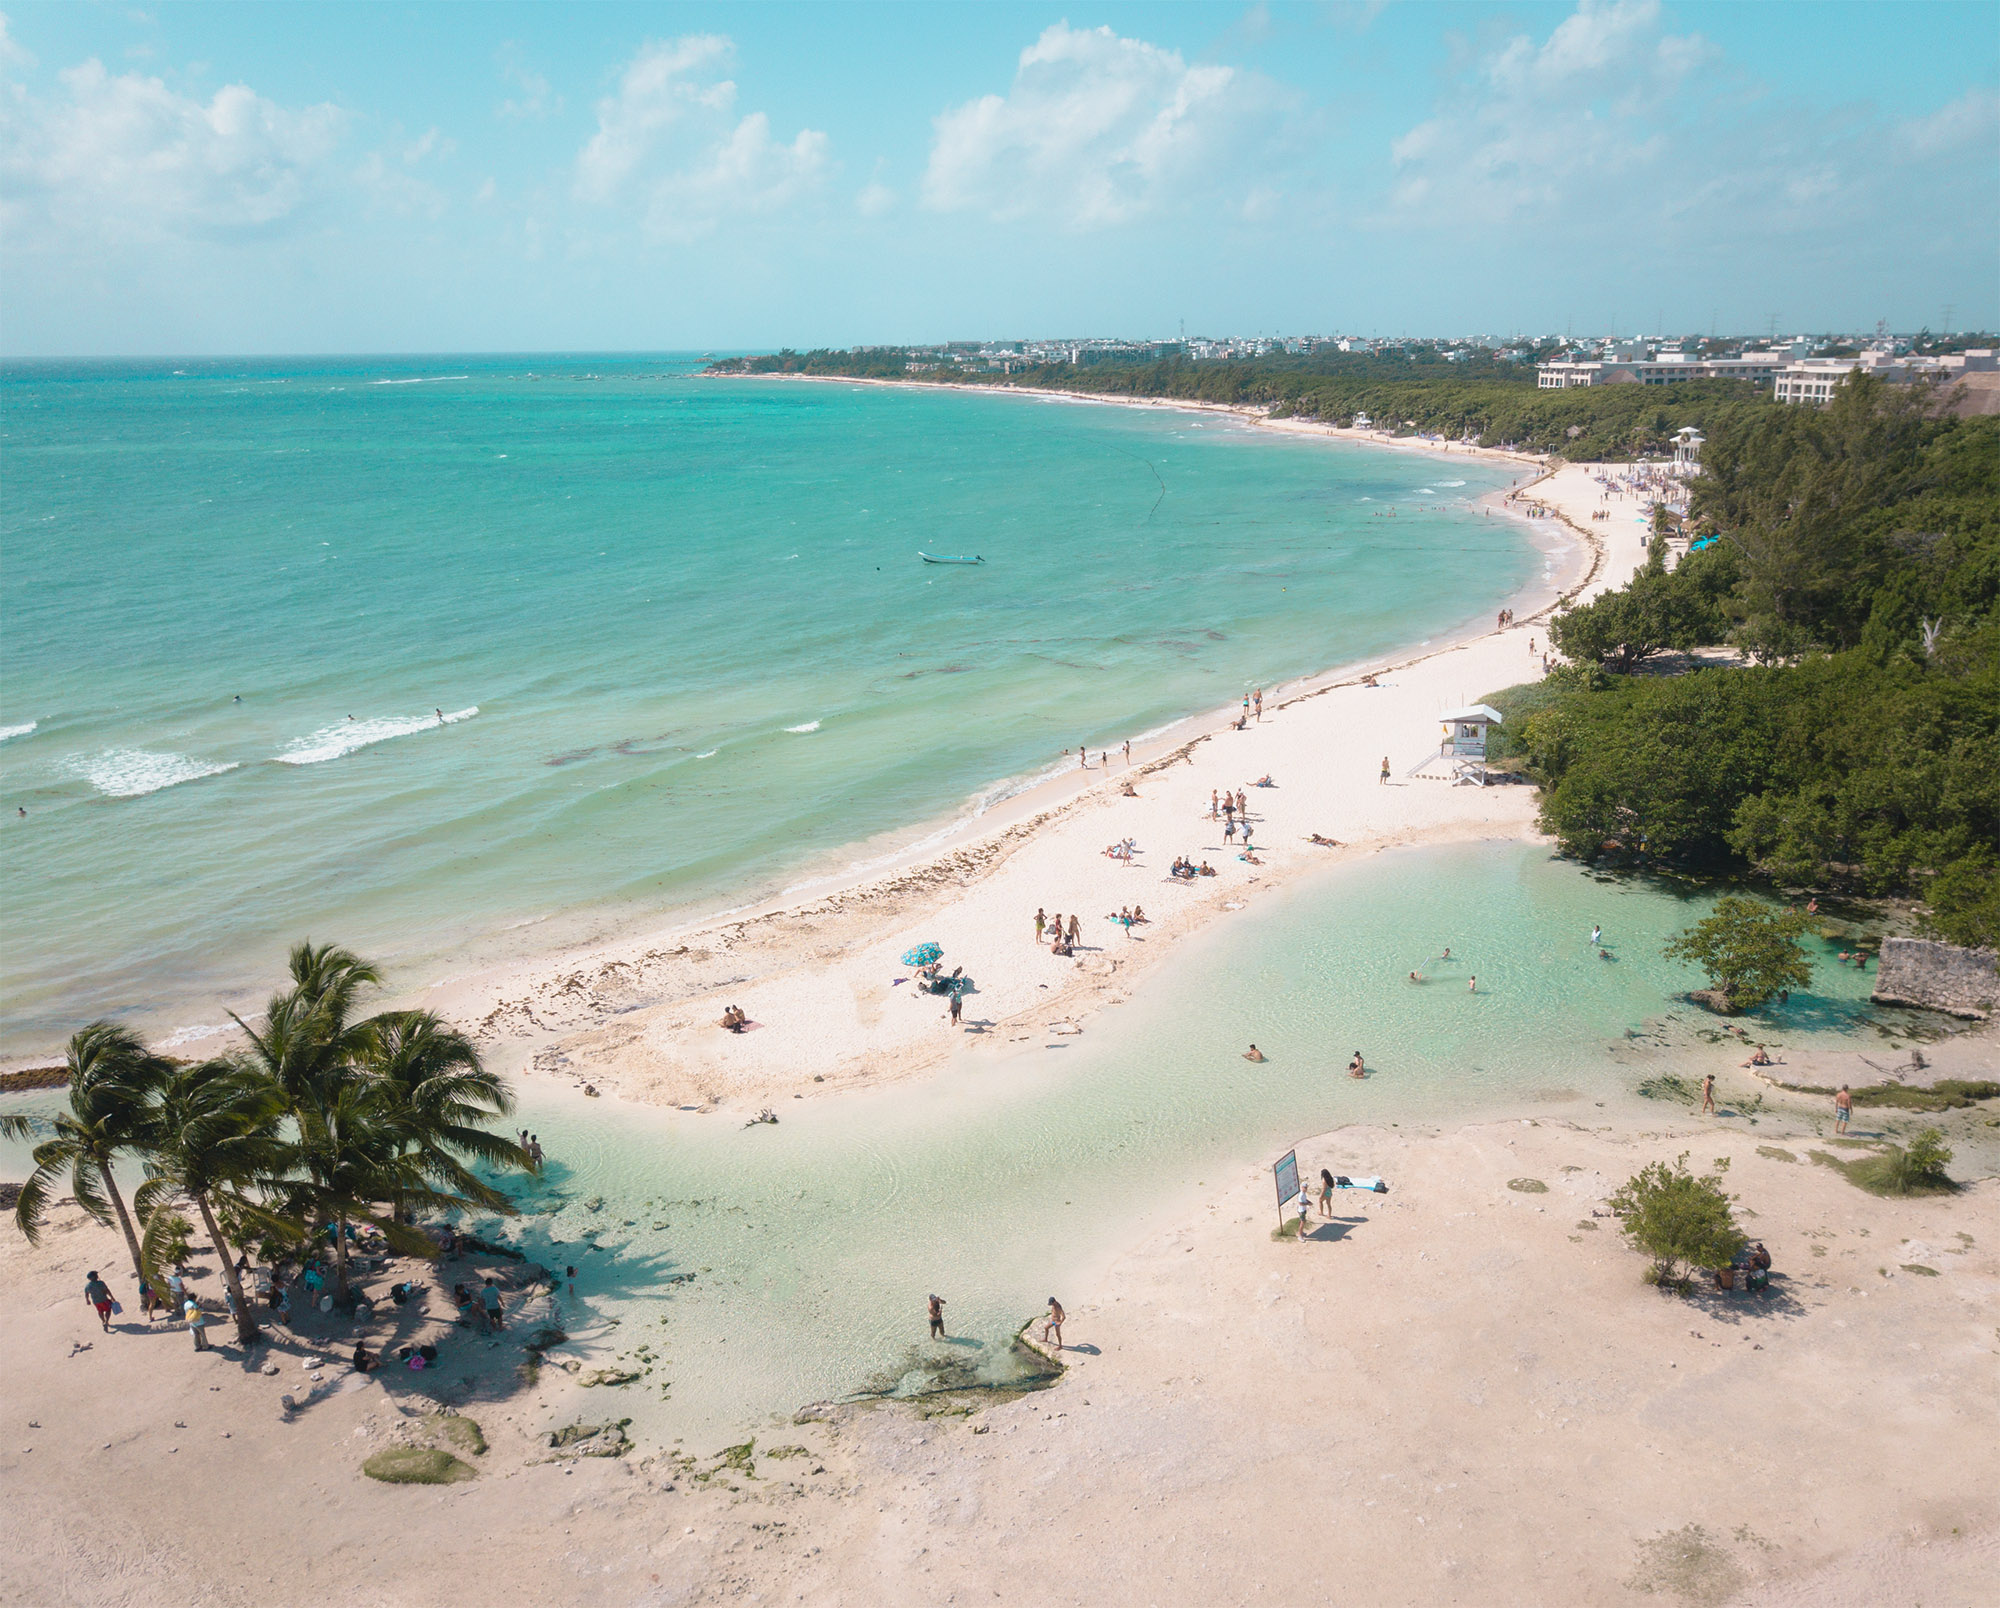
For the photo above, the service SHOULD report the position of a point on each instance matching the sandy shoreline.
(634, 1015)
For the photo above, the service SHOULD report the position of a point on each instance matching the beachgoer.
(1246, 837)
(1708, 1092)
(1128, 750)
(1214, 804)
(1258, 695)
(490, 1298)
(569, 1273)
(1075, 928)
(1416, 977)
(1382, 780)
(956, 1007)
(1242, 803)
(363, 1361)
(535, 1150)
(1447, 953)
(1052, 1327)
(197, 1320)
(1472, 985)
(440, 715)
(1083, 756)
(937, 1317)
(1041, 922)
(1596, 933)
(148, 1297)
(176, 1288)
(1305, 1209)
(1138, 914)
(1843, 1108)
(1229, 831)
(1357, 1068)
(1254, 1054)
(1325, 1193)
(98, 1294)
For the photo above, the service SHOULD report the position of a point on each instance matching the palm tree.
(306, 1043)
(113, 1084)
(444, 1097)
(218, 1147)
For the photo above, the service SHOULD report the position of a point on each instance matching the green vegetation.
(1527, 1186)
(322, 1122)
(1857, 562)
(1750, 951)
(418, 1465)
(1681, 1221)
(1494, 403)
(462, 1432)
(1918, 1169)
(1947, 1094)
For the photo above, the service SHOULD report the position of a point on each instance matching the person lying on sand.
(1324, 842)
(1369, 681)
(1254, 1054)
(1264, 781)
(1248, 858)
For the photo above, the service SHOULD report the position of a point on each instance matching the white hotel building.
(1665, 369)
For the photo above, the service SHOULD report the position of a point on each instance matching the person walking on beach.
(1229, 832)
(1041, 923)
(98, 1294)
(937, 1317)
(197, 1320)
(1128, 750)
(1075, 928)
(1383, 779)
(1083, 756)
(1214, 805)
(1843, 1108)
(490, 1299)
(957, 1005)
(1258, 696)
(1708, 1092)
(1052, 1326)
(1305, 1211)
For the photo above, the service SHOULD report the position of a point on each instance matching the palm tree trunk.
(246, 1323)
(340, 1255)
(124, 1217)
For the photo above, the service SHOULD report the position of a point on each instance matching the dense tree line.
(1478, 399)
(1857, 561)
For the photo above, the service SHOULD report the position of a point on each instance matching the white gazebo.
(1687, 452)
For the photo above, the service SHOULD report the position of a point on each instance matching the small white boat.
(948, 559)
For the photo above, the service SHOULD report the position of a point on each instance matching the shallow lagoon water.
(1005, 1179)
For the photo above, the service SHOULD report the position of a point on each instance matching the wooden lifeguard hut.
(1463, 744)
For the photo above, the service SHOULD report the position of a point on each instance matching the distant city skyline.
(226, 179)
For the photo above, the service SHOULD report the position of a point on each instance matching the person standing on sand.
(1214, 805)
(98, 1294)
(937, 1317)
(490, 1299)
(1258, 696)
(1383, 779)
(1325, 1193)
(1041, 924)
(1843, 1108)
(1229, 832)
(957, 1005)
(1052, 1326)
(1128, 750)
(1305, 1209)
(1083, 756)
(1708, 1092)
(197, 1320)
(1075, 928)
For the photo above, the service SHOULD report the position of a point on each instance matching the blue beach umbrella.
(922, 955)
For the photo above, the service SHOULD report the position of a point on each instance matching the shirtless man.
(1052, 1327)
(1843, 1108)
(1254, 1054)
(937, 1317)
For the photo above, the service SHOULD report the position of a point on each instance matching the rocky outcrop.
(1938, 977)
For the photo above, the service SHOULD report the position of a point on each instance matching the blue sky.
(301, 178)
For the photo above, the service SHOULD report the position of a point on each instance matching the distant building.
(1815, 379)
(1667, 368)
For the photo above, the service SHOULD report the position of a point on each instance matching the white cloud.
(536, 100)
(669, 142)
(1099, 130)
(1971, 120)
(128, 156)
(874, 200)
(12, 52)
(1541, 127)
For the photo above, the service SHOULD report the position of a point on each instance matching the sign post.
(1286, 1175)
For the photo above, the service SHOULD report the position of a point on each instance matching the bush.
(1918, 1169)
(1750, 951)
(1679, 1220)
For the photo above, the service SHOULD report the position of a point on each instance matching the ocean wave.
(135, 772)
(425, 379)
(17, 731)
(709, 754)
(1451, 482)
(330, 742)
(188, 1035)
(810, 725)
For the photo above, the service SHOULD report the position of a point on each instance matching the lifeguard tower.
(1461, 751)
(1363, 422)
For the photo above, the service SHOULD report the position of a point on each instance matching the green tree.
(1750, 951)
(1681, 1221)
(113, 1085)
(218, 1148)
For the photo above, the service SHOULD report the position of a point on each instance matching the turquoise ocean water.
(682, 646)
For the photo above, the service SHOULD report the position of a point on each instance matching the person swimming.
(1254, 1054)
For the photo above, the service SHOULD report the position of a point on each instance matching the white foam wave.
(330, 742)
(188, 1035)
(708, 754)
(1451, 482)
(17, 731)
(135, 772)
(425, 379)
(810, 725)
